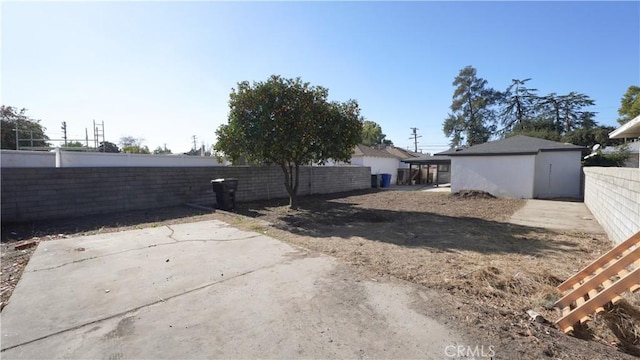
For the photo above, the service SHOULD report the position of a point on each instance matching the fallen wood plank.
(598, 279)
(611, 255)
(617, 288)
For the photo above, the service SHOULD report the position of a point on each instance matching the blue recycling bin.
(386, 180)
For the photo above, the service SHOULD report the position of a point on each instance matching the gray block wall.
(30, 194)
(613, 197)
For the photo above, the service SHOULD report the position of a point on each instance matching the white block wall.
(59, 158)
(613, 196)
(27, 159)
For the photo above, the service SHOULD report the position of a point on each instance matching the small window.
(443, 167)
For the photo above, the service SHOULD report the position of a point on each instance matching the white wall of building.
(510, 176)
(379, 165)
(28, 159)
(557, 174)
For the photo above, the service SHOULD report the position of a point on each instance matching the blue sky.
(162, 71)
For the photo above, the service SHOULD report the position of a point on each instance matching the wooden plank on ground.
(601, 261)
(599, 283)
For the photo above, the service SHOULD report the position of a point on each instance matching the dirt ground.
(487, 273)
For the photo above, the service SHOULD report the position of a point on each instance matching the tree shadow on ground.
(320, 217)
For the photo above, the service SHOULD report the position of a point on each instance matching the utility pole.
(64, 132)
(415, 136)
(195, 143)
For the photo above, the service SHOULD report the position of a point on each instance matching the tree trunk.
(291, 179)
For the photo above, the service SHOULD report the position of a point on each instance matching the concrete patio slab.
(557, 215)
(207, 290)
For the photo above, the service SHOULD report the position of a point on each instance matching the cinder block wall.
(46, 193)
(613, 196)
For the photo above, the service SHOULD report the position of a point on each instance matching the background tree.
(629, 105)
(160, 151)
(564, 113)
(75, 146)
(590, 137)
(517, 105)
(573, 113)
(372, 134)
(12, 117)
(289, 123)
(472, 119)
(108, 147)
(133, 145)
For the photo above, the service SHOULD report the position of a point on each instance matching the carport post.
(427, 174)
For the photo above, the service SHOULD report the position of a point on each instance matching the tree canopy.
(520, 110)
(289, 123)
(472, 118)
(108, 147)
(133, 145)
(372, 134)
(12, 118)
(629, 105)
(162, 150)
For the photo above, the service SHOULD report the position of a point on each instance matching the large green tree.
(472, 118)
(12, 118)
(289, 123)
(372, 134)
(629, 105)
(565, 113)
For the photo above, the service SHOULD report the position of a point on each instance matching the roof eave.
(629, 130)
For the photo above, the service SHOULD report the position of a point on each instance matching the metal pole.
(17, 137)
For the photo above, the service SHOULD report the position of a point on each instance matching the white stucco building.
(518, 166)
(381, 162)
(630, 130)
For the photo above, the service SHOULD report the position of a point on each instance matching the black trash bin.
(375, 181)
(225, 190)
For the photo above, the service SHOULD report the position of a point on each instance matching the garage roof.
(515, 145)
(629, 130)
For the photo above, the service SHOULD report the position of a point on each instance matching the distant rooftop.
(364, 150)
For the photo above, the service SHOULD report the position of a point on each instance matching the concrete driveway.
(207, 290)
(557, 215)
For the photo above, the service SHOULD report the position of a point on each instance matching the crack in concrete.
(172, 232)
(174, 242)
(160, 300)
